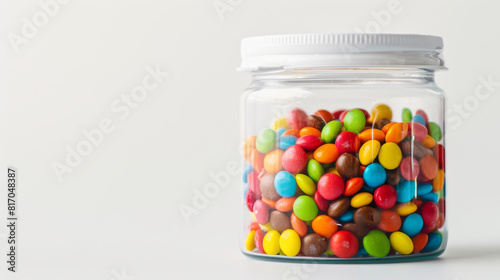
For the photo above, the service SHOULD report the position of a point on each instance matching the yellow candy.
(290, 242)
(281, 122)
(369, 152)
(306, 184)
(390, 156)
(405, 209)
(401, 243)
(253, 217)
(380, 111)
(271, 242)
(250, 241)
(361, 199)
(332, 170)
(267, 227)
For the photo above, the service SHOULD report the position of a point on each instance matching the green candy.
(407, 115)
(305, 208)
(331, 131)
(265, 140)
(376, 243)
(355, 120)
(315, 170)
(435, 131)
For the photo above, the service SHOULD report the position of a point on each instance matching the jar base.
(364, 260)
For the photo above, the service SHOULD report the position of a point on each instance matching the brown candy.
(316, 122)
(338, 207)
(314, 245)
(359, 231)
(280, 221)
(267, 187)
(347, 166)
(366, 216)
(381, 123)
(393, 177)
(419, 151)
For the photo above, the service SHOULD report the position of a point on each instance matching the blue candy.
(405, 191)
(247, 171)
(413, 224)
(287, 141)
(434, 242)
(419, 119)
(285, 184)
(347, 217)
(430, 197)
(423, 189)
(374, 175)
(280, 131)
(362, 251)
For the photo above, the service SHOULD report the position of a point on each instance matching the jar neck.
(346, 76)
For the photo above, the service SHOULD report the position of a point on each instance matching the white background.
(116, 215)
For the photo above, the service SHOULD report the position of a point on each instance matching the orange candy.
(249, 146)
(272, 161)
(326, 153)
(396, 133)
(386, 127)
(371, 134)
(285, 204)
(353, 186)
(419, 242)
(257, 160)
(428, 142)
(438, 181)
(298, 225)
(324, 226)
(268, 202)
(310, 131)
(292, 132)
(254, 226)
(440, 221)
(390, 221)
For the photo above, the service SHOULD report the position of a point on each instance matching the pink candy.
(297, 119)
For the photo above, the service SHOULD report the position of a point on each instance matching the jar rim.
(341, 50)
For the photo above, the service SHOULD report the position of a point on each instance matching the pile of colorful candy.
(346, 184)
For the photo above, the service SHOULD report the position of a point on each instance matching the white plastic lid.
(299, 51)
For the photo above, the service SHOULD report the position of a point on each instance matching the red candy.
(321, 202)
(429, 213)
(410, 169)
(423, 114)
(347, 142)
(439, 154)
(250, 199)
(325, 115)
(258, 238)
(331, 186)
(309, 142)
(385, 196)
(254, 183)
(336, 114)
(344, 244)
(297, 119)
(294, 159)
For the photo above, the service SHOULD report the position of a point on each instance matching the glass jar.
(343, 148)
